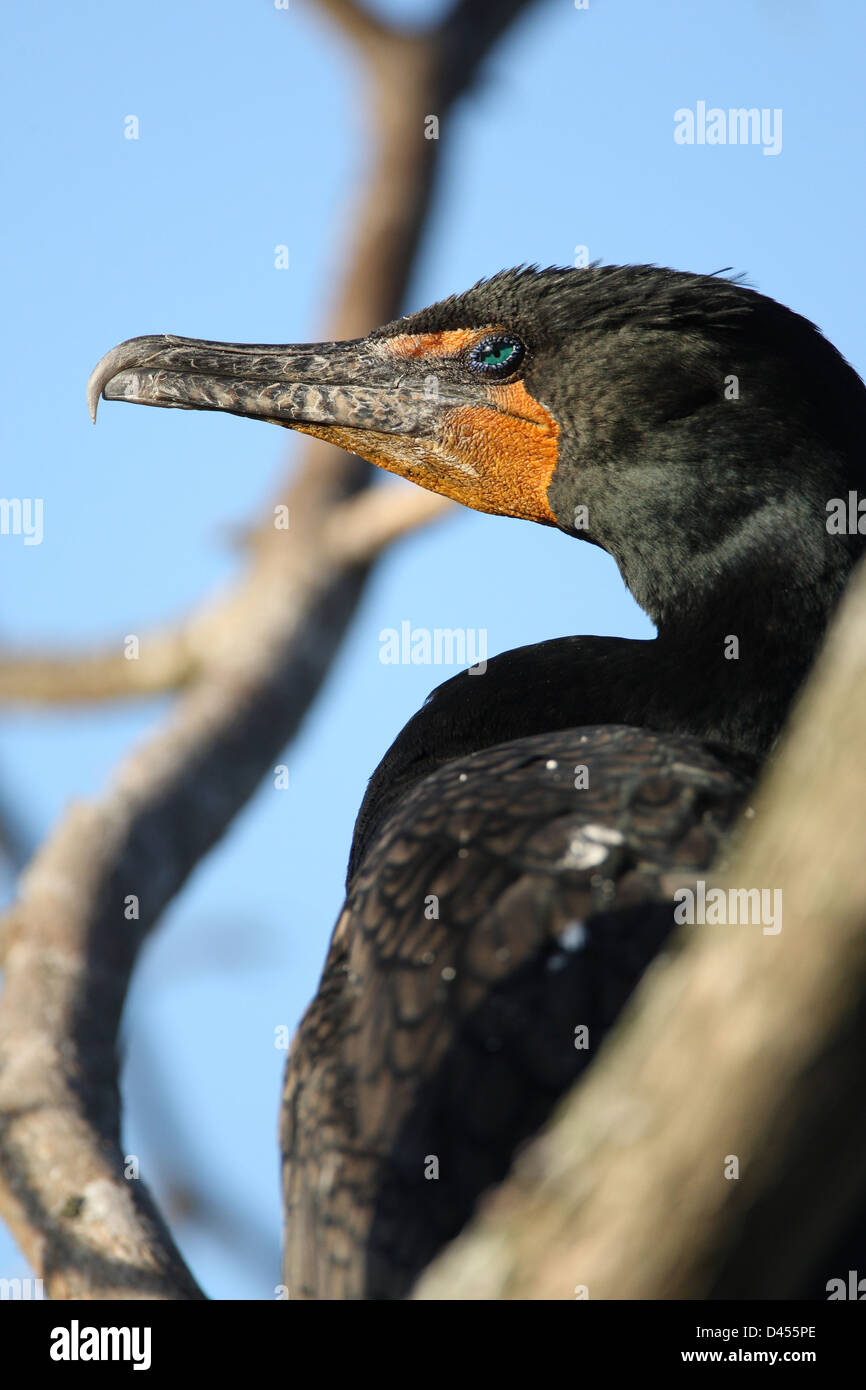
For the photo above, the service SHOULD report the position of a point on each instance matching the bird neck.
(724, 668)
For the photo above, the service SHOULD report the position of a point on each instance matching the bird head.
(682, 422)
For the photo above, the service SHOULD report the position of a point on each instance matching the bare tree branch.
(251, 665)
(355, 20)
(174, 657)
(411, 76)
(741, 1043)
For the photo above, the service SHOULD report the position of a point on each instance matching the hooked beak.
(382, 398)
(353, 384)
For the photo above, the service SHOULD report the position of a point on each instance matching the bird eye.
(497, 355)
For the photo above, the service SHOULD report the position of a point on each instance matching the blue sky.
(251, 135)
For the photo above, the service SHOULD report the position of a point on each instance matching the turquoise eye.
(498, 355)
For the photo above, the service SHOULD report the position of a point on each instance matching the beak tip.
(98, 378)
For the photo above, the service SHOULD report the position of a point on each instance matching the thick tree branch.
(739, 1044)
(71, 942)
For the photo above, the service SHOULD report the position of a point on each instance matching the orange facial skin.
(514, 445)
(497, 456)
(449, 342)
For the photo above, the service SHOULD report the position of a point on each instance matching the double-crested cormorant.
(515, 854)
